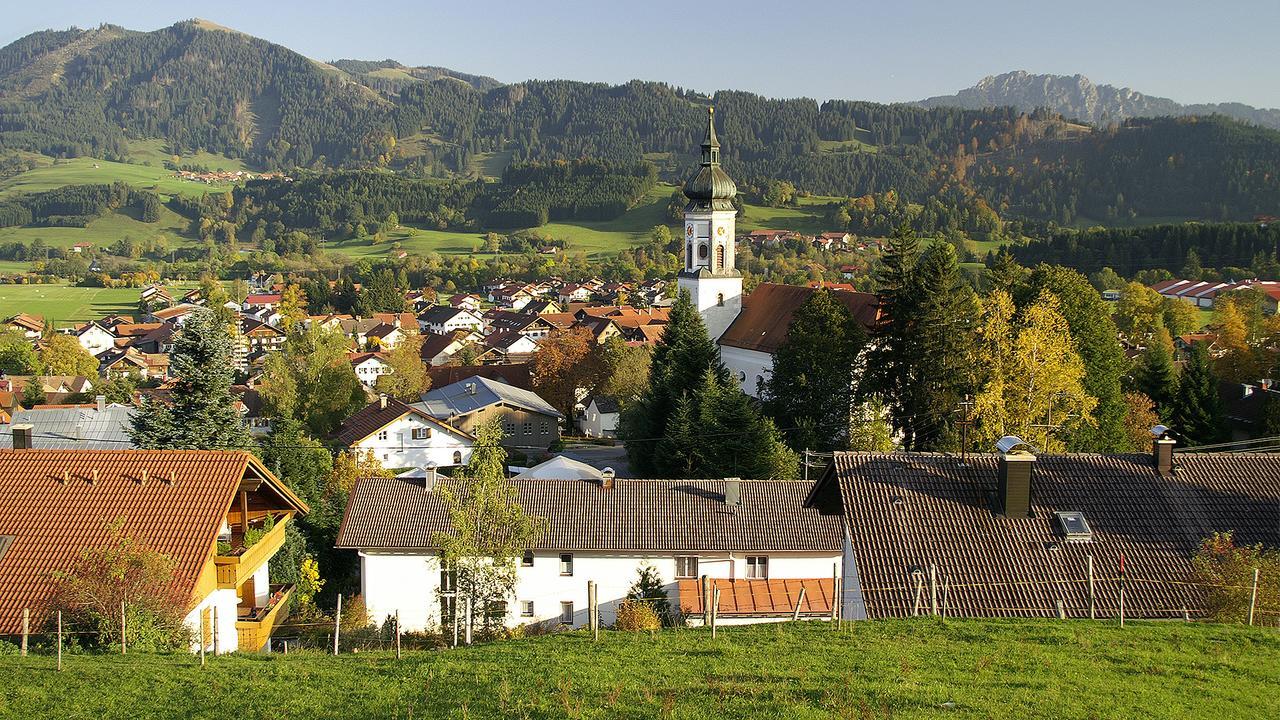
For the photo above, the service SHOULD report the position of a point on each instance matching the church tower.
(709, 275)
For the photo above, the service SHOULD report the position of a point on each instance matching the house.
(261, 336)
(95, 338)
(528, 421)
(156, 296)
(541, 307)
(443, 319)
(99, 426)
(754, 540)
(128, 361)
(465, 301)
(535, 327)
(1013, 534)
(511, 346)
(384, 335)
(440, 349)
(31, 326)
(572, 292)
(261, 301)
(56, 388)
(403, 436)
(833, 240)
(175, 315)
(600, 419)
(748, 345)
(195, 506)
(250, 406)
(369, 366)
(81, 247)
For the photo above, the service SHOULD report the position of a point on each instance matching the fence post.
(933, 588)
(706, 601)
(946, 595)
(215, 630)
(337, 624)
(1122, 591)
(1062, 610)
(1093, 602)
(1253, 599)
(795, 614)
(915, 610)
(715, 611)
(455, 619)
(59, 641)
(123, 647)
(397, 633)
(839, 603)
(592, 618)
(202, 638)
(468, 620)
(26, 629)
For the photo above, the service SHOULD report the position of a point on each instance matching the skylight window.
(1074, 526)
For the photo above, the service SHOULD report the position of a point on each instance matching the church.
(749, 330)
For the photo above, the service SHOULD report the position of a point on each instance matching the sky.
(889, 50)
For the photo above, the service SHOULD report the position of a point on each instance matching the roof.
(634, 515)
(907, 511)
(515, 374)
(440, 314)
(373, 417)
(53, 512)
(760, 598)
(605, 404)
(560, 467)
(262, 299)
(458, 399)
(710, 183)
(75, 428)
(766, 315)
(30, 322)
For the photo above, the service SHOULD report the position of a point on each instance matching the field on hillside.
(106, 230)
(67, 304)
(883, 669)
(84, 171)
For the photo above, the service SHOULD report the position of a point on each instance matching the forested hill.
(199, 87)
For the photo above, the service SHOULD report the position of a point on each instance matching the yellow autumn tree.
(408, 378)
(293, 307)
(1139, 311)
(1236, 363)
(992, 363)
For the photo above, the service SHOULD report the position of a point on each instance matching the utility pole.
(965, 422)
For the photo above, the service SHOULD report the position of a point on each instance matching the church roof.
(766, 315)
(710, 183)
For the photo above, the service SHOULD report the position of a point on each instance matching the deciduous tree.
(311, 380)
(408, 378)
(64, 355)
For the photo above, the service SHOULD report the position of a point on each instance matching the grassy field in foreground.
(885, 669)
(65, 304)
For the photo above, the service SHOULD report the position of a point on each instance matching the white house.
(600, 419)
(754, 540)
(402, 436)
(369, 366)
(95, 339)
(443, 320)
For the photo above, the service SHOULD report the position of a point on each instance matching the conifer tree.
(200, 413)
(1156, 376)
(1198, 414)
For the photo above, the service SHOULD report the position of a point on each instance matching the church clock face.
(688, 230)
(720, 231)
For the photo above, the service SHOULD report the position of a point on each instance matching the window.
(742, 376)
(720, 299)
(566, 613)
(720, 257)
(508, 428)
(686, 566)
(758, 567)
(421, 433)
(382, 436)
(544, 428)
(527, 560)
(528, 428)
(496, 610)
(457, 457)
(702, 251)
(566, 563)
(526, 608)
(689, 253)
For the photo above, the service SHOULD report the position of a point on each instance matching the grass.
(884, 669)
(67, 304)
(82, 171)
(106, 230)
(154, 152)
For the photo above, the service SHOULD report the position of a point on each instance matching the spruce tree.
(200, 413)
(811, 388)
(1198, 413)
(1156, 377)
(889, 367)
(948, 313)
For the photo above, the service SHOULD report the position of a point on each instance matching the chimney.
(733, 492)
(22, 436)
(1162, 450)
(1016, 468)
(382, 400)
(608, 479)
(430, 476)
(102, 403)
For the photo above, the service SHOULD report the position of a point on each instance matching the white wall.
(597, 424)
(400, 450)
(746, 366)
(410, 582)
(226, 602)
(262, 585)
(96, 340)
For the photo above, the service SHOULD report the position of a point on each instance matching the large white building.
(749, 331)
(404, 436)
(754, 540)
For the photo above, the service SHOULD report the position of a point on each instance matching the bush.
(637, 615)
(1228, 568)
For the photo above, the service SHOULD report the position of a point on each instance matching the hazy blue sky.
(885, 50)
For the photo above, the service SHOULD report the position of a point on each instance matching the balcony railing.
(240, 563)
(255, 624)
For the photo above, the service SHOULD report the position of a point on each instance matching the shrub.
(648, 588)
(1228, 568)
(637, 615)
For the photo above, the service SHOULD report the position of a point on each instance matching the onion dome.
(710, 183)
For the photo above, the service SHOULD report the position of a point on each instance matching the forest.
(1230, 247)
(199, 88)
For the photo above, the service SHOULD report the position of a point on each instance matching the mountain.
(1075, 96)
(198, 86)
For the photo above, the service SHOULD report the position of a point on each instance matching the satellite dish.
(1008, 443)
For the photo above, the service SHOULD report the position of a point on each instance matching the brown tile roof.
(907, 511)
(766, 315)
(514, 374)
(657, 515)
(35, 323)
(760, 598)
(52, 516)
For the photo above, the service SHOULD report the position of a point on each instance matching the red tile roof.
(766, 315)
(52, 507)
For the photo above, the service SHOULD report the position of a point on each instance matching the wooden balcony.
(237, 566)
(255, 624)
